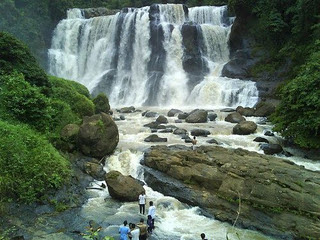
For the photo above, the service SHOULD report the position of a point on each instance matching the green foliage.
(14, 55)
(101, 103)
(298, 115)
(23, 102)
(74, 94)
(29, 164)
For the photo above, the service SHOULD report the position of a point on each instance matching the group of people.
(140, 230)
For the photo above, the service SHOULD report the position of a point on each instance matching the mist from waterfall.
(162, 55)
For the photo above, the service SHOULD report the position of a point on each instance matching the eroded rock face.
(98, 135)
(123, 188)
(277, 197)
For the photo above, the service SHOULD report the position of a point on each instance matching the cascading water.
(163, 55)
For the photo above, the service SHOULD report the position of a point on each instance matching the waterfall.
(162, 55)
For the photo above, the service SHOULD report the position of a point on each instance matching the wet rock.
(123, 188)
(197, 116)
(151, 114)
(161, 126)
(95, 170)
(264, 109)
(180, 131)
(98, 135)
(152, 125)
(234, 118)
(162, 119)
(97, 12)
(214, 178)
(167, 130)
(244, 128)
(173, 112)
(245, 111)
(187, 139)
(213, 141)
(200, 132)
(122, 117)
(183, 115)
(227, 110)
(212, 116)
(155, 138)
(271, 148)
(260, 139)
(177, 121)
(269, 134)
(127, 110)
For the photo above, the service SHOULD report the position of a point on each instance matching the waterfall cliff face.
(163, 55)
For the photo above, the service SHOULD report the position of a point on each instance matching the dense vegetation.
(289, 31)
(33, 110)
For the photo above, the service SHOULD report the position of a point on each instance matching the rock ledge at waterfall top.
(277, 197)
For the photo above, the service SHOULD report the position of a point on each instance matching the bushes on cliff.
(73, 93)
(29, 164)
(298, 116)
(15, 56)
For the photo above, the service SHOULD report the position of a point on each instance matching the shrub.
(15, 56)
(298, 115)
(23, 102)
(29, 164)
(74, 94)
(101, 103)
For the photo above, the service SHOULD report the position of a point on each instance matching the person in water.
(143, 229)
(142, 203)
(194, 143)
(124, 231)
(152, 212)
(203, 236)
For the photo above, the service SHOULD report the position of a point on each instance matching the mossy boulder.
(98, 135)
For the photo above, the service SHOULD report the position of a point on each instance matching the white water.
(112, 53)
(174, 219)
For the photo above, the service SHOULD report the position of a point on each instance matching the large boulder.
(276, 196)
(162, 119)
(264, 109)
(244, 128)
(245, 111)
(127, 110)
(98, 135)
(200, 132)
(271, 148)
(173, 112)
(123, 188)
(95, 169)
(234, 118)
(197, 116)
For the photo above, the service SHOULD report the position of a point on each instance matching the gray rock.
(260, 139)
(151, 114)
(200, 132)
(234, 118)
(162, 119)
(173, 112)
(197, 116)
(213, 141)
(155, 138)
(271, 148)
(227, 110)
(212, 116)
(244, 128)
(123, 188)
(98, 135)
(245, 111)
(180, 131)
(127, 110)
(183, 115)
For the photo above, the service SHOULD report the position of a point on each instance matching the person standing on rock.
(194, 143)
(142, 203)
(203, 236)
(143, 229)
(124, 231)
(152, 212)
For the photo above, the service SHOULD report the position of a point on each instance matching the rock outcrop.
(123, 188)
(277, 197)
(98, 135)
